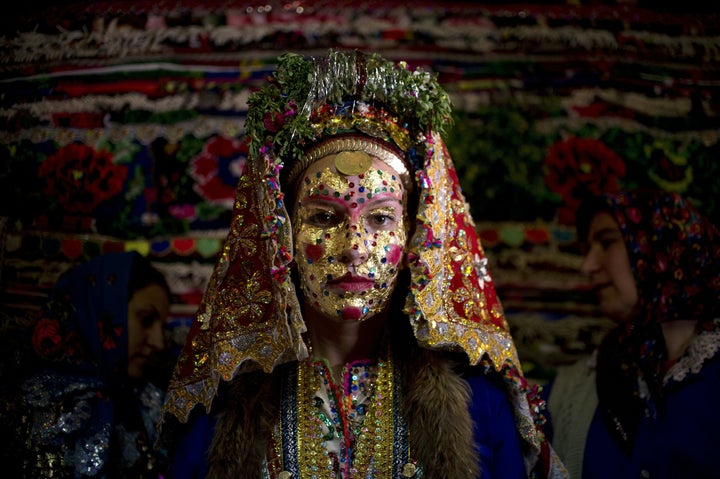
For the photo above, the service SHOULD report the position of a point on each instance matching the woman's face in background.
(147, 311)
(350, 233)
(607, 264)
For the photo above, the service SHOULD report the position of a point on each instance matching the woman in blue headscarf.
(645, 405)
(91, 409)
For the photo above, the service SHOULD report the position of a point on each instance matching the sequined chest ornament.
(370, 436)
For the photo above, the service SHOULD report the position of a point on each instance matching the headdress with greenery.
(307, 100)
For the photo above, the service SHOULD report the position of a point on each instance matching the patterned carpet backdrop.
(121, 128)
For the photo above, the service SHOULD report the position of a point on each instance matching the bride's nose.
(355, 250)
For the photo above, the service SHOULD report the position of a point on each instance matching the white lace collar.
(703, 347)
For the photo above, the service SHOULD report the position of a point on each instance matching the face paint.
(350, 234)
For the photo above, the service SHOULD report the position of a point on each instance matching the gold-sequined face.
(350, 232)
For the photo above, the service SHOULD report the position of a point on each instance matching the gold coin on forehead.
(352, 163)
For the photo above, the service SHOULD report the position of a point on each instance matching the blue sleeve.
(190, 456)
(496, 436)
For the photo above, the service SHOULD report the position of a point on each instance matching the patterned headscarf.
(674, 254)
(250, 317)
(83, 327)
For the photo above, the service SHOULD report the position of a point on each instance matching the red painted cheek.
(314, 251)
(394, 254)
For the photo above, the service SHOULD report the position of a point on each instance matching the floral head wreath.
(309, 100)
(250, 316)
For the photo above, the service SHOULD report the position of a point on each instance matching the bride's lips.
(348, 282)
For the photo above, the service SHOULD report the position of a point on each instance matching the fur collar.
(435, 404)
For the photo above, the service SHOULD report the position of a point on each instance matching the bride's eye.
(324, 218)
(382, 219)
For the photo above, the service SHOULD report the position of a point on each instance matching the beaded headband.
(337, 145)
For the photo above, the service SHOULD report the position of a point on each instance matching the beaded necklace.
(371, 454)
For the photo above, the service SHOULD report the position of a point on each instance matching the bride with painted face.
(351, 328)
